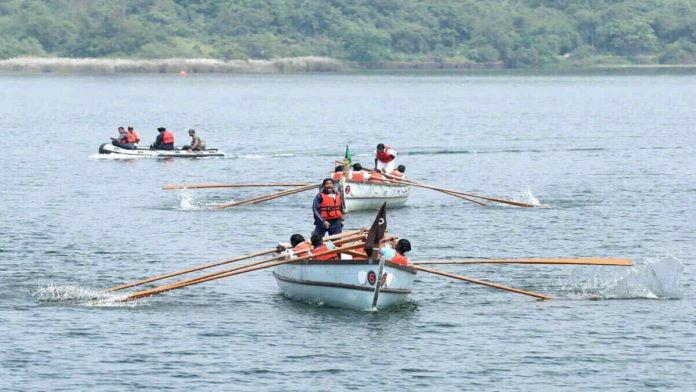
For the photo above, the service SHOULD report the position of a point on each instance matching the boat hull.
(108, 148)
(346, 284)
(365, 196)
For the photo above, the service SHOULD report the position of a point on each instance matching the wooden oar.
(215, 264)
(199, 186)
(290, 192)
(465, 198)
(340, 238)
(266, 197)
(189, 270)
(454, 193)
(482, 282)
(232, 272)
(619, 262)
(350, 239)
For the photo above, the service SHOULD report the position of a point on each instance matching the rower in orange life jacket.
(319, 246)
(399, 172)
(384, 158)
(299, 245)
(338, 173)
(397, 254)
(164, 141)
(358, 174)
(328, 209)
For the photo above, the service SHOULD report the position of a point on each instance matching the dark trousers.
(168, 146)
(127, 146)
(335, 227)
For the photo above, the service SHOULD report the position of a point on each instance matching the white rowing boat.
(347, 284)
(370, 195)
(108, 148)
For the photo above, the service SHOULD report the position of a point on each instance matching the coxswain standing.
(328, 209)
(384, 159)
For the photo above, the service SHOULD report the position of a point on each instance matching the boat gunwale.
(376, 183)
(339, 285)
(406, 268)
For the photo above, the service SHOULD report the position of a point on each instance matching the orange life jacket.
(130, 138)
(383, 156)
(337, 176)
(135, 135)
(358, 176)
(377, 177)
(330, 208)
(302, 248)
(396, 173)
(399, 259)
(167, 138)
(320, 249)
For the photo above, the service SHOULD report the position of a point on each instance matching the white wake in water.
(187, 201)
(658, 278)
(528, 197)
(71, 294)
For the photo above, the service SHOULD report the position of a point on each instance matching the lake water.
(611, 156)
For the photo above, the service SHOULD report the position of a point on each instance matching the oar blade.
(561, 261)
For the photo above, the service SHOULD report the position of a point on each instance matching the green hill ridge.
(514, 34)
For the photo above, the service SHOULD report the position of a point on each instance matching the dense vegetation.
(514, 33)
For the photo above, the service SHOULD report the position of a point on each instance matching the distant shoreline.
(310, 64)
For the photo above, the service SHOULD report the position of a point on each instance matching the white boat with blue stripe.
(370, 195)
(347, 284)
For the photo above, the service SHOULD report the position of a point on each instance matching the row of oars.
(348, 242)
(303, 187)
(463, 195)
(297, 188)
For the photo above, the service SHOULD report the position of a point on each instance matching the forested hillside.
(520, 33)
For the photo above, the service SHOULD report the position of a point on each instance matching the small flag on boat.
(348, 156)
(376, 233)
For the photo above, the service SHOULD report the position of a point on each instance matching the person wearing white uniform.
(384, 158)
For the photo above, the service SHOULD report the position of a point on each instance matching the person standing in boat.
(196, 143)
(384, 158)
(328, 209)
(134, 135)
(124, 140)
(164, 141)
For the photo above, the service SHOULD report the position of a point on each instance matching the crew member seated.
(125, 140)
(319, 246)
(299, 245)
(358, 174)
(397, 253)
(134, 135)
(164, 141)
(399, 172)
(338, 173)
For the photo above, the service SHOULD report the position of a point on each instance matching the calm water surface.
(611, 156)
